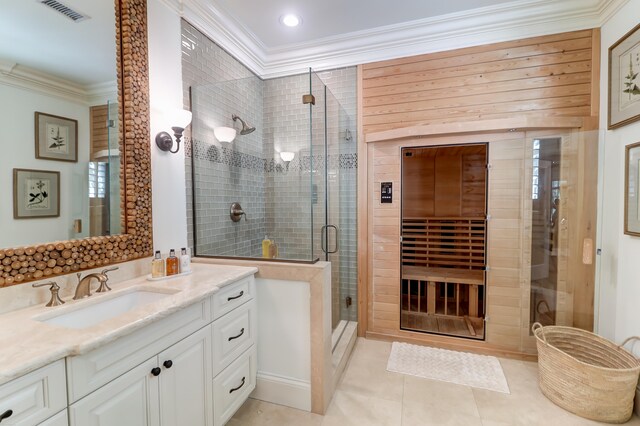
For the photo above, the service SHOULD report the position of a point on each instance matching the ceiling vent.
(64, 10)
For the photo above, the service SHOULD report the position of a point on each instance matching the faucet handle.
(103, 282)
(105, 271)
(55, 298)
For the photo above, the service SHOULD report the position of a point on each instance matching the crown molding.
(22, 77)
(503, 22)
(226, 32)
(610, 8)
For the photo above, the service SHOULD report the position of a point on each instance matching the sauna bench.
(472, 278)
(444, 275)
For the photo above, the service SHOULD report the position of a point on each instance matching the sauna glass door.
(560, 228)
(443, 239)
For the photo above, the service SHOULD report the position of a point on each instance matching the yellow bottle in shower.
(266, 246)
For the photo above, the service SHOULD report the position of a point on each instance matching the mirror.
(26, 262)
(60, 167)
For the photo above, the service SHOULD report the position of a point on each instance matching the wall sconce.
(224, 134)
(287, 156)
(180, 119)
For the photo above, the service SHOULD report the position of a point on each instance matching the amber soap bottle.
(172, 263)
(157, 266)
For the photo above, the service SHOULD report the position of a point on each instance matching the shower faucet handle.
(236, 212)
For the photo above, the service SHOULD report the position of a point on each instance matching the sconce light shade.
(287, 156)
(225, 134)
(179, 119)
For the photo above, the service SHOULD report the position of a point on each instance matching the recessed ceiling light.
(290, 20)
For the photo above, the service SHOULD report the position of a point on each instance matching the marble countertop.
(27, 344)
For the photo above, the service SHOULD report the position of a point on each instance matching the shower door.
(334, 209)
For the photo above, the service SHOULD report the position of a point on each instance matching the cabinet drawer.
(86, 373)
(232, 296)
(34, 397)
(60, 419)
(233, 334)
(233, 386)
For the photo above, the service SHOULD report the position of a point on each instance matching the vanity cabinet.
(234, 348)
(169, 389)
(34, 397)
(196, 366)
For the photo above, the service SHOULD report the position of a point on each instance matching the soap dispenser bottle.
(157, 266)
(266, 245)
(273, 250)
(185, 261)
(172, 263)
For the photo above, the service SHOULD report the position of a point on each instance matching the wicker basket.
(586, 374)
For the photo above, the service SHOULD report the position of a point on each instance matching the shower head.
(245, 129)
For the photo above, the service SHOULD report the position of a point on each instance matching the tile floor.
(368, 395)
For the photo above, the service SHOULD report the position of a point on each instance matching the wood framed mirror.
(31, 262)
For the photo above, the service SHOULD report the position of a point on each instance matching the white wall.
(619, 290)
(284, 343)
(165, 86)
(18, 148)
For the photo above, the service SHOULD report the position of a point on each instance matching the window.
(97, 179)
(536, 169)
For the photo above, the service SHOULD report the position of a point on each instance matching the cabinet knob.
(168, 363)
(156, 371)
(6, 415)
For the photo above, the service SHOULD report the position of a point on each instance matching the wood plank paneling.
(550, 75)
(99, 132)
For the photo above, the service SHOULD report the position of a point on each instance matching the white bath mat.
(478, 371)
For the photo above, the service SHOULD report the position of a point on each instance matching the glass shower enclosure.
(294, 177)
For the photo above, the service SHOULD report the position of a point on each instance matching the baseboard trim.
(282, 390)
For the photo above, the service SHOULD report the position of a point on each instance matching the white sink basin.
(100, 310)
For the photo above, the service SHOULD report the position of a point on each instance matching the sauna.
(443, 244)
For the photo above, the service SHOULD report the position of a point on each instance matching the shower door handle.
(323, 232)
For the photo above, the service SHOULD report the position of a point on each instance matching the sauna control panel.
(386, 192)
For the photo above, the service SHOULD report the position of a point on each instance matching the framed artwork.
(36, 193)
(624, 80)
(56, 137)
(631, 186)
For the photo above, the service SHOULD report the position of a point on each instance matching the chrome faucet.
(84, 285)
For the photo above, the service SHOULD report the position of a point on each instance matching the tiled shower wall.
(277, 197)
(288, 205)
(219, 86)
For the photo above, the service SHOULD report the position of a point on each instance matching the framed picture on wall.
(36, 193)
(631, 187)
(624, 80)
(56, 137)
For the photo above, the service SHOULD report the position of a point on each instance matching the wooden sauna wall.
(99, 132)
(543, 77)
(447, 181)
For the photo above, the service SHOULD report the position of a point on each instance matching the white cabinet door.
(34, 397)
(186, 381)
(130, 400)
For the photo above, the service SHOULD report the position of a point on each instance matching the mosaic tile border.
(229, 157)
